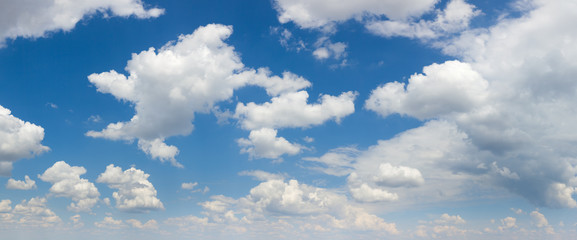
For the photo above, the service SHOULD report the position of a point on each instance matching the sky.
(288, 119)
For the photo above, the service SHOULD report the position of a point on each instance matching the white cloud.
(18, 139)
(325, 49)
(150, 224)
(188, 186)
(450, 219)
(326, 13)
(111, 223)
(453, 19)
(541, 222)
(365, 193)
(287, 203)
(66, 182)
(511, 95)
(33, 213)
(27, 184)
(264, 143)
(5, 206)
(135, 193)
(36, 18)
(167, 87)
(262, 175)
(292, 110)
(443, 89)
(508, 223)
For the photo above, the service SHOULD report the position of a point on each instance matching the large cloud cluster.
(169, 86)
(510, 99)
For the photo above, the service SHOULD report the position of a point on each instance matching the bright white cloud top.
(420, 119)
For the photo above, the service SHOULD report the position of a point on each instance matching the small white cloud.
(450, 219)
(135, 193)
(292, 110)
(264, 143)
(27, 184)
(365, 193)
(66, 182)
(188, 186)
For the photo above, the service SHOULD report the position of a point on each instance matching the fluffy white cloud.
(35, 18)
(365, 193)
(443, 89)
(27, 184)
(264, 143)
(541, 222)
(18, 139)
(167, 87)
(511, 96)
(325, 13)
(135, 193)
(292, 110)
(66, 182)
(454, 18)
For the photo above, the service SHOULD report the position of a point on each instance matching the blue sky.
(287, 119)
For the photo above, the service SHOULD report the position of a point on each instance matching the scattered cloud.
(191, 75)
(27, 184)
(66, 182)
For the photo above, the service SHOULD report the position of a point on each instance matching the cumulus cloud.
(292, 110)
(541, 222)
(510, 96)
(33, 213)
(66, 182)
(443, 89)
(18, 139)
(111, 223)
(264, 143)
(135, 193)
(283, 205)
(453, 19)
(36, 18)
(27, 184)
(325, 13)
(168, 86)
